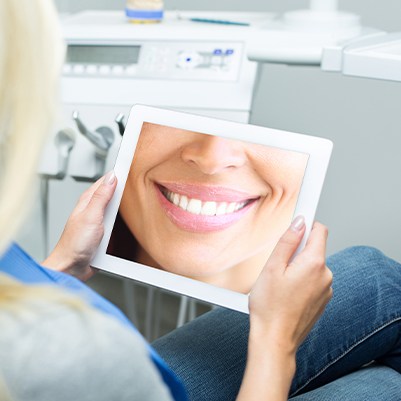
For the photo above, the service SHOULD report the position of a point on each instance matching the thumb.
(102, 195)
(288, 243)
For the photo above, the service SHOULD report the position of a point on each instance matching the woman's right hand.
(290, 295)
(285, 302)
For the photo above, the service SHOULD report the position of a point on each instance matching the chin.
(197, 272)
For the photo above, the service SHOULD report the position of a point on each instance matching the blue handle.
(218, 21)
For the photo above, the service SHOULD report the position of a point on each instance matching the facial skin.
(245, 194)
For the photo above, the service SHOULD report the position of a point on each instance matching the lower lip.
(198, 223)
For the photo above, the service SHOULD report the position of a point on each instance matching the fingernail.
(298, 224)
(109, 178)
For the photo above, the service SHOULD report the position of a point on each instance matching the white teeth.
(231, 207)
(194, 206)
(221, 209)
(208, 208)
(183, 202)
(176, 199)
(239, 206)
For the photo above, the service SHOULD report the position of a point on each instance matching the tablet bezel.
(318, 149)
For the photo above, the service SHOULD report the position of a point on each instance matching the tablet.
(201, 202)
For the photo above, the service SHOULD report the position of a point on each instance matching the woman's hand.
(290, 295)
(285, 302)
(83, 231)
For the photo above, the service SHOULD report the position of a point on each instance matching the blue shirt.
(16, 263)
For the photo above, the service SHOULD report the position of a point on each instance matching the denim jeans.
(361, 324)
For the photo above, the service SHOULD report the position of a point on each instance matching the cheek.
(285, 184)
(281, 170)
(155, 151)
(131, 206)
(137, 185)
(142, 163)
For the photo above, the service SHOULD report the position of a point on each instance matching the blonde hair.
(20, 298)
(4, 393)
(31, 54)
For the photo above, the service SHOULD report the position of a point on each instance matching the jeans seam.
(346, 352)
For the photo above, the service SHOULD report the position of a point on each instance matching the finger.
(87, 195)
(102, 196)
(288, 243)
(317, 240)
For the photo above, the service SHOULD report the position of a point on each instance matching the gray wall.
(362, 195)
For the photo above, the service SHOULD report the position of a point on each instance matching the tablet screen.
(205, 207)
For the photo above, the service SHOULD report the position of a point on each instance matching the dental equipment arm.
(377, 56)
(299, 36)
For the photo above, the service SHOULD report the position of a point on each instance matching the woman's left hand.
(83, 231)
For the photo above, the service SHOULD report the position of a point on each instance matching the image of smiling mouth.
(202, 209)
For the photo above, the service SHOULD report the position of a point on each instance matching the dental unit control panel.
(192, 60)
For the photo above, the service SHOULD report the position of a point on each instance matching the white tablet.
(200, 202)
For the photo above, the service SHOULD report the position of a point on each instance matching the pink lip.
(199, 223)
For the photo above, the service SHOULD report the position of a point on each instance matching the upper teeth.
(208, 208)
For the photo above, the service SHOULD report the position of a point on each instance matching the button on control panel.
(104, 69)
(117, 70)
(78, 69)
(189, 59)
(92, 69)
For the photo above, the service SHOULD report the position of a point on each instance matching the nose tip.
(212, 154)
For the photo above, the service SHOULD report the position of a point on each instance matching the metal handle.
(64, 141)
(120, 122)
(102, 138)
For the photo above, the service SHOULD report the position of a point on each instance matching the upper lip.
(205, 192)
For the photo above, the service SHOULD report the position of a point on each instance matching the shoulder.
(67, 353)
